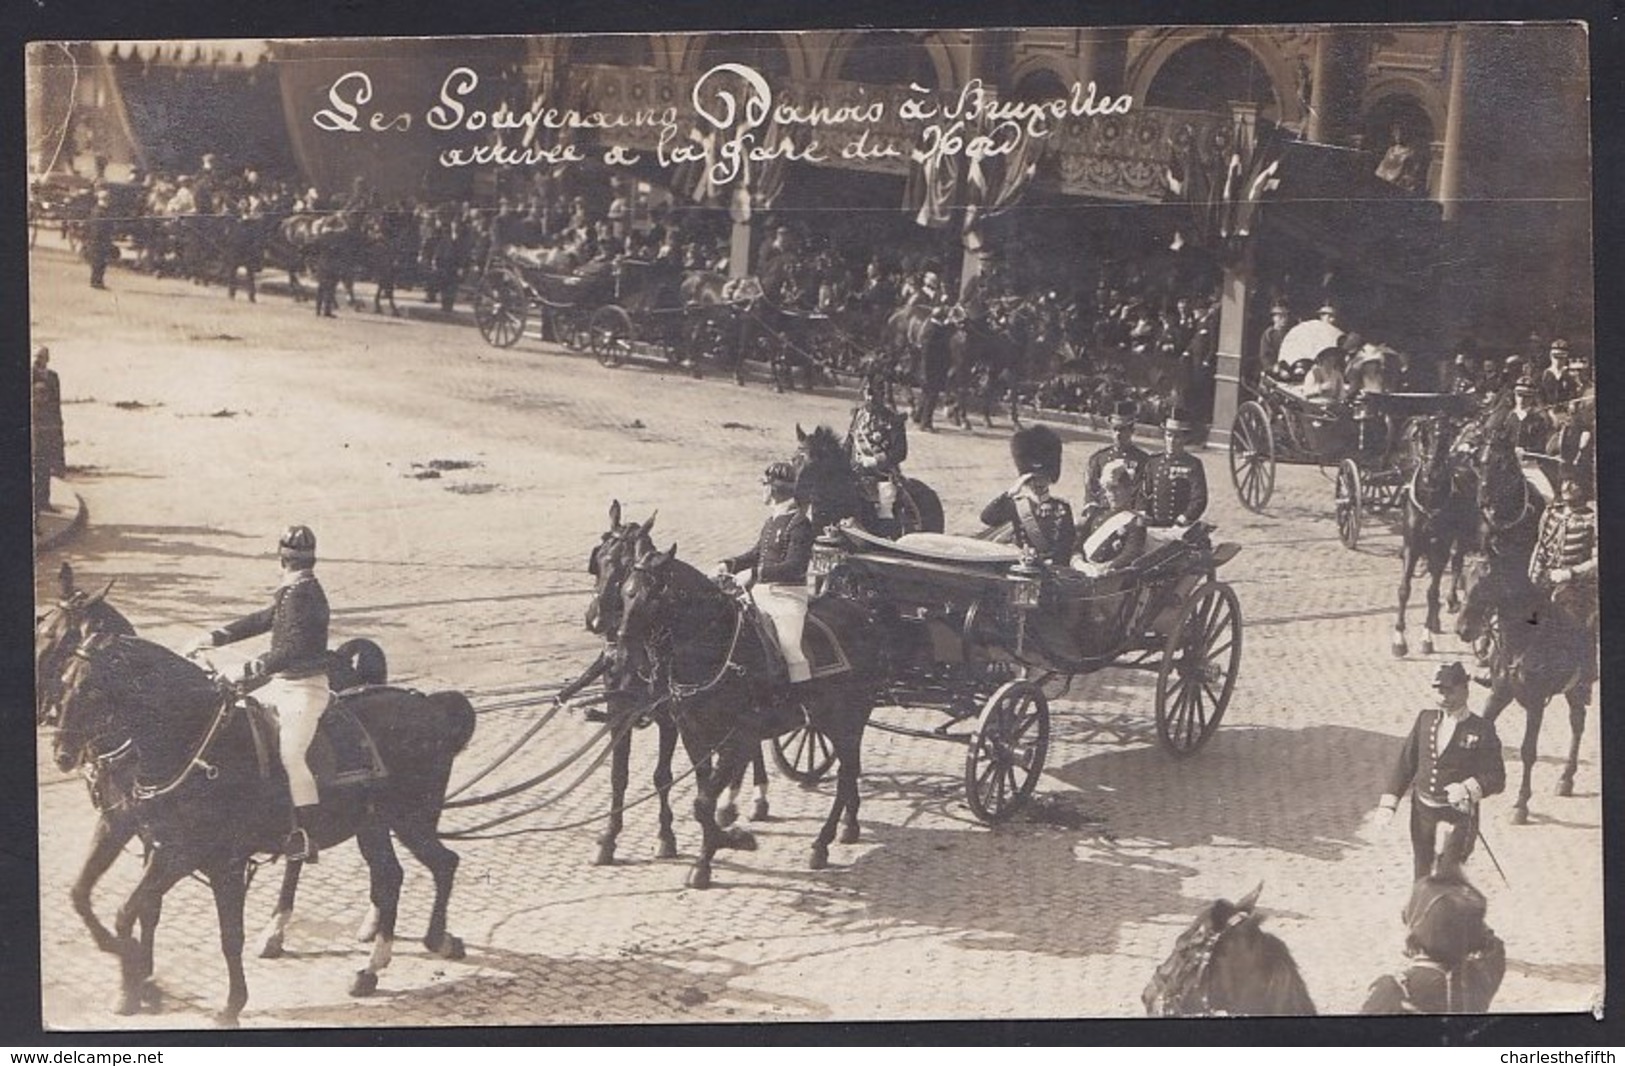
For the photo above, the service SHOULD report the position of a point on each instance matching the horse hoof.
(1520, 816)
(849, 834)
(1399, 648)
(152, 997)
(451, 948)
(1427, 645)
(365, 984)
(758, 813)
(1565, 787)
(226, 1019)
(699, 878)
(820, 858)
(272, 948)
(739, 840)
(605, 856)
(129, 1002)
(727, 816)
(667, 849)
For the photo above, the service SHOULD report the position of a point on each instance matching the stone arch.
(849, 59)
(1280, 77)
(1040, 78)
(767, 52)
(1399, 94)
(611, 49)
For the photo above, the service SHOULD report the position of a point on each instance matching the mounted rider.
(296, 664)
(777, 566)
(878, 444)
(1041, 523)
(1564, 562)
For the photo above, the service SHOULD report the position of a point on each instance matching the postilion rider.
(878, 441)
(296, 664)
(1451, 760)
(1040, 522)
(777, 566)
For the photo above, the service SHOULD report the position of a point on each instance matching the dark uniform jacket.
(1174, 485)
(1474, 751)
(879, 435)
(297, 622)
(1532, 432)
(1132, 455)
(782, 551)
(1046, 526)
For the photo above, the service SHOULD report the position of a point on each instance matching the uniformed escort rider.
(297, 666)
(1451, 760)
(1040, 522)
(777, 566)
(1175, 484)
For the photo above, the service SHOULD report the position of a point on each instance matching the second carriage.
(1369, 441)
(987, 637)
(618, 309)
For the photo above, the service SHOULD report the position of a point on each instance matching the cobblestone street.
(456, 490)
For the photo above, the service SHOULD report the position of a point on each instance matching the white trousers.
(299, 703)
(787, 606)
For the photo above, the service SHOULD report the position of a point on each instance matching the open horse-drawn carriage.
(1369, 440)
(982, 634)
(617, 308)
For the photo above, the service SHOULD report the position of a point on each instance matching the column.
(1451, 185)
(1321, 126)
(1238, 280)
(740, 240)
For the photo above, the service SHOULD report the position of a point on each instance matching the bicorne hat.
(1449, 675)
(1037, 450)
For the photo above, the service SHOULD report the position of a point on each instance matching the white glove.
(1382, 817)
(1560, 574)
(1459, 796)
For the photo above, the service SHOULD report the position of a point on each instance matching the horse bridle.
(660, 637)
(1187, 976)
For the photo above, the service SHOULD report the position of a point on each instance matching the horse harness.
(661, 637)
(1184, 976)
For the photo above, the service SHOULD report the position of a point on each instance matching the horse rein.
(677, 692)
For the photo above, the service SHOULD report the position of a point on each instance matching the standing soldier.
(46, 419)
(1175, 483)
(99, 238)
(1451, 760)
(297, 665)
(1122, 448)
(1564, 562)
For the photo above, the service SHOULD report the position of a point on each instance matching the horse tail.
(458, 715)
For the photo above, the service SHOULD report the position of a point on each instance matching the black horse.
(1509, 508)
(161, 740)
(1536, 652)
(832, 490)
(695, 647)
(917, 338)
(1437, 526)
(58, 633)
(1224, 964)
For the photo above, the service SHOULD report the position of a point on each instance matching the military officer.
(1527, 425)
(1269, 345)
(878, 443)
(297, 666)
(1451, 760)
(777, 566)
(1558, 384)
(1041, 522)
(1564, 562)
(1175, 484)
(1121, 449)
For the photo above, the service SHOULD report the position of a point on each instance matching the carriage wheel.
(907, 512)
(1198, 672)
(500, 308)
(1007, 751)
(611, 335)
(572, 327)
(1252, 456)
(1349, 503)
(803, 754)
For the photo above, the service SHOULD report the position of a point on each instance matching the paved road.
(202, 427)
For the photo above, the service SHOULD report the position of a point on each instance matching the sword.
(1479, 830)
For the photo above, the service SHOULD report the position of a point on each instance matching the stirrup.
(298, 848)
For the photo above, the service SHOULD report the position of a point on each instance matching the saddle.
(826, 657)
(343, 754)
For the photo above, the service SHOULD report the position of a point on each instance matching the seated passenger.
(1325, 382)
(1114, 534)
(1040, 522)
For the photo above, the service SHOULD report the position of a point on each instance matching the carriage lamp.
(826, 557)
(1026, 583)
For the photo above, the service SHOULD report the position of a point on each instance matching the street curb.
(53, 531)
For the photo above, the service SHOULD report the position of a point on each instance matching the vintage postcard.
(815, 526)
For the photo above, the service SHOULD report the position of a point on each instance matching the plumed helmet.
(298, 544)
(1037, 450)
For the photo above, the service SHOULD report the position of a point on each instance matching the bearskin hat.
(1445, 917)
(1037, 450)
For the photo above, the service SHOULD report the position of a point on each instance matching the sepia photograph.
(839, 525)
